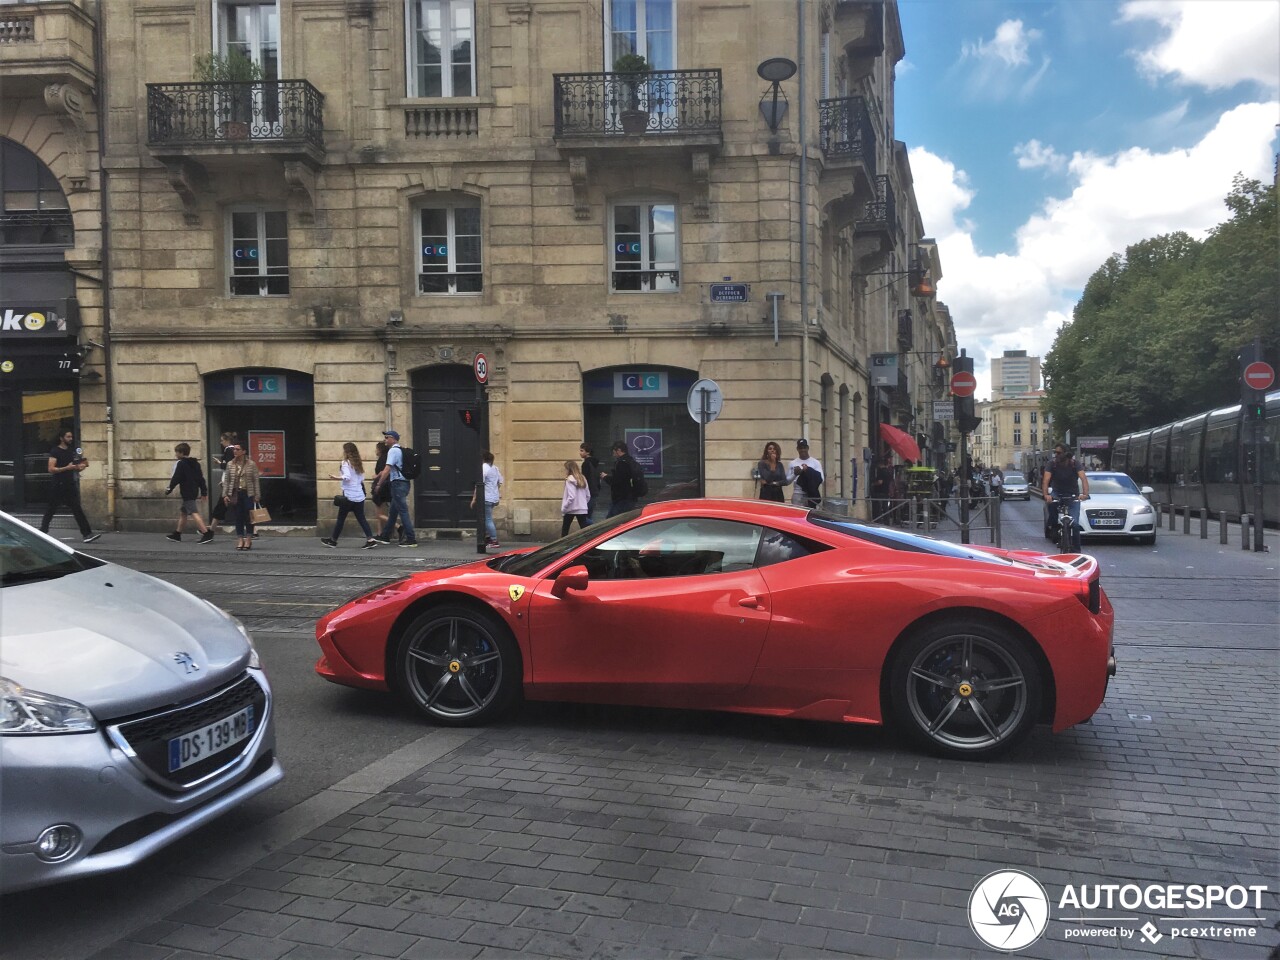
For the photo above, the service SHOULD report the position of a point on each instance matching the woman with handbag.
(240, 491)
(351, 500)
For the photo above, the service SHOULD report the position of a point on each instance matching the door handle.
(753, 603)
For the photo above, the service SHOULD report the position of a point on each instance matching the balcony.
(283, 118)
(876, 230)
(618, 110)
(45, 43)
(848, 136)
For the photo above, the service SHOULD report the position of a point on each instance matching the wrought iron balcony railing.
(664, 102)
(271, 111)
(880, 214)
(847, 131)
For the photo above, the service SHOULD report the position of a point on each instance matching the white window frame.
(411, 9)
(221, 14)
(451, 234)
(645, 246)
(642, 35)
(265, 268)
(1017, 438)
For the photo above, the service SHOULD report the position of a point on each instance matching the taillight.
(1092, 597)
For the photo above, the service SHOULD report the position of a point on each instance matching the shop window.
(259, 253)
(441, 48)
(450, 260)
(645, 251)
(33, 208)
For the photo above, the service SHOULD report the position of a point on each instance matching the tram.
(1201, 462)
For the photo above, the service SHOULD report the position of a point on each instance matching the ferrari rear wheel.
(965, 689)
(458, 666)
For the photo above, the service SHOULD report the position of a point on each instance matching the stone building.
(316, 232)
(53, 362)
(1014, 434)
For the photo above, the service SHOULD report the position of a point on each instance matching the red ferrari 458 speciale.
(745, 606)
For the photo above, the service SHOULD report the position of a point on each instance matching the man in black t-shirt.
(622, 478)
(65, 465)
(1066, 477)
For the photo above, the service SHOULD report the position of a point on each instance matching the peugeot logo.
(188, 662)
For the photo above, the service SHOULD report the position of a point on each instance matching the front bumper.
(124, 817)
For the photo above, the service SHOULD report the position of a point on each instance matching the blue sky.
(1047, 134)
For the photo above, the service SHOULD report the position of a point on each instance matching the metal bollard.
(1222, 527)
(1204, 524)
(1186, 519)
(1173, 517)
(1246, 521)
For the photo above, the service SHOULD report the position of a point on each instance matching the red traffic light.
(469, 418)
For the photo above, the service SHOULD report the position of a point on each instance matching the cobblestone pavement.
(615, 833)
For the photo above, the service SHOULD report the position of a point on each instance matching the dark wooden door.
(450, 451)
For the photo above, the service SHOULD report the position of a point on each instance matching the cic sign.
(261, 386)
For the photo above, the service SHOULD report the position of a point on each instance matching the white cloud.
(1033, 155)
(999, 65)
(1019, 299)
(1214, 45)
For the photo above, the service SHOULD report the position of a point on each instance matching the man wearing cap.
(807, 471)
(399, 493)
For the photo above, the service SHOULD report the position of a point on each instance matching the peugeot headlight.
(1139, 511)
(255, 662)
(24, 712)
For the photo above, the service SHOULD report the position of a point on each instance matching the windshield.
(25, 556)
(1110, 483)
(900, 539)
(1012, 477)
(527, 564)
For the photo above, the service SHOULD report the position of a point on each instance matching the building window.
(645, 250)
(441, 39)
(1034, 435)
(33, 208)
(1017, 416)
(449, 241)
(259, 253)
(1017, 438)
(1033, 416)
(646, 27)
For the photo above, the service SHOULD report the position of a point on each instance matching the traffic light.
(965, 418)
(469, 418)
(1255, 409)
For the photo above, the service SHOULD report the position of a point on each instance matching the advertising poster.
(646, 447)
(266, 448)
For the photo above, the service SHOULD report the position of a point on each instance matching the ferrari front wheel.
(965, 689)
(457, 665)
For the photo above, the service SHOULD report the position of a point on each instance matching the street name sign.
(730, 292)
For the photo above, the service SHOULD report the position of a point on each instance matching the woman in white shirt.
(352, 498)
(576, 497)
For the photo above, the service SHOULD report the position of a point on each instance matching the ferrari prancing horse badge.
(516, 592)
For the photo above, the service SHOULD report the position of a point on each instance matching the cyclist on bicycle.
(1066, 476)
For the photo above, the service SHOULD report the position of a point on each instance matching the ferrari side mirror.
(571, 578)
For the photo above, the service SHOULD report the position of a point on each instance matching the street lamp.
(775, 70)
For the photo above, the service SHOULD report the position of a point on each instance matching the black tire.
(1148, 541)
(962, 711)
(458, 666)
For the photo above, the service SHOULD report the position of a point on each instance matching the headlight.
(255, 662)
(1139, 511)
(24, 712)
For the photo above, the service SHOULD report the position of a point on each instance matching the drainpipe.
(101, 96)
(802, 113)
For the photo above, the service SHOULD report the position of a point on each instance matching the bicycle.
(1067, 534)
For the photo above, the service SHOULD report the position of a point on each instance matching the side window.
(684, 547)
(449, 250)
(645, 256)
(258, 254)
(441, 45)
(779, 547)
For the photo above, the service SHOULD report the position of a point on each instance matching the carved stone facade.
(381, 335)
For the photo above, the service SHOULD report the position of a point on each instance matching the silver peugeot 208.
(131, 713)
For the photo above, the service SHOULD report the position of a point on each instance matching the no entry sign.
(1259, 375)
(963, 383)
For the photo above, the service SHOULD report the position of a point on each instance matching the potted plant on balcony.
(233, 101)
(632, 69)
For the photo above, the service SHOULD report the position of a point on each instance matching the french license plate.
(1108, 523)
(201, 744)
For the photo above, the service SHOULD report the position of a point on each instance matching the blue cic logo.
(641, 382)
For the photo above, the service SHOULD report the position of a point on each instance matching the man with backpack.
(626, 480)
(402, 467)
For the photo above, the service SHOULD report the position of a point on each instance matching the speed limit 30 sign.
(481, 368)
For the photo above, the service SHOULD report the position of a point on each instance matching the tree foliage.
(1156, 333)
